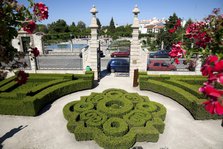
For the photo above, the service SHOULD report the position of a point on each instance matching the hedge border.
(176, 91)
(23, 103)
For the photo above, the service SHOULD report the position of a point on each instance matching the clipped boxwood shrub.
(115, 119)
(40, 89)
(180, 89)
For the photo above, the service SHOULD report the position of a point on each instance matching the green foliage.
(111, 28)
(60, 26)
(12, 15)
(115, 119)
(170, 38)
(119, 44)
(182, 89)
(41, 28)
(40, 90)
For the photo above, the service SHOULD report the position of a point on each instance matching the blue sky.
(121, 10)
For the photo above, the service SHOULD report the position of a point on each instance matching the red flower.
(196, 31)
(213, 107)
(35, 52)
(219, 66)
(172, 30)
(210, 91)
(178, 23)
(209, 66)
(30, 27)
(22, 77)
(177, 52)
(176, 61)
(41, 11)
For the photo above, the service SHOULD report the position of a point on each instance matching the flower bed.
(183, 89)
(115, 118)
(40, 89)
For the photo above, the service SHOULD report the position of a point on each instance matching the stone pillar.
(198, 66)
(138, 57)
(37, 39)
(92, 59)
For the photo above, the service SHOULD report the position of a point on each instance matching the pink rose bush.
(206, 35)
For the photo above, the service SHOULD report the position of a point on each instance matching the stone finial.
(136, 10)
(93, 10)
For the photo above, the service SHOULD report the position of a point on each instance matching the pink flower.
(41, 11)
(177, 52)
(35, 52)
(30, 27)
(213, 107)
(196, 31)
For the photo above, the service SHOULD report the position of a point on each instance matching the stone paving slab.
(48, 130)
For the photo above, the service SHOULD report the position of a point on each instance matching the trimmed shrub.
(115, 119)
(115, 106)
(40, 89)
(115, 127)
(179, 89)
(137, 118)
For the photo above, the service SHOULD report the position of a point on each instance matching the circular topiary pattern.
(115, 118)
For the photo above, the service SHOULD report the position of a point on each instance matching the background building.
(151, 26)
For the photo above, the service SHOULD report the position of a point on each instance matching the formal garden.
(113, 118)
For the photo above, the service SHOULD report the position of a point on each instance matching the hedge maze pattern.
(115, 118)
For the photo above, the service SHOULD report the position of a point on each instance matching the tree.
(72, 27)
(60, 26)
(81, 26)
(169, 36)
(41, 28)
(99, 24)
(111, 28)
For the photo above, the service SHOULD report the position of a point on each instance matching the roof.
(150, 26)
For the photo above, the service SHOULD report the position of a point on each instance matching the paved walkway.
(48, 130)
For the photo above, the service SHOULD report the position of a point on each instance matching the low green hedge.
(30, 98)
(182, 92)
(115, 119)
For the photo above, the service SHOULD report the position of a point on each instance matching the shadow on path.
(45, 109)
(104, 73)
(10, 134)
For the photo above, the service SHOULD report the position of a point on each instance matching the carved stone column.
(92, 59)
(137, 55)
